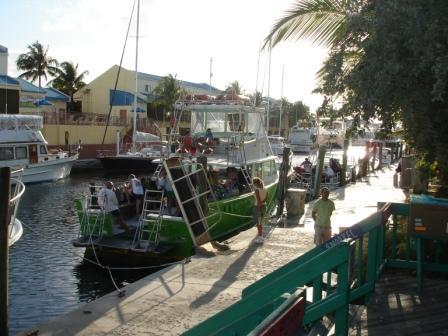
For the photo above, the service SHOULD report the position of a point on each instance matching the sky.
(177, 37)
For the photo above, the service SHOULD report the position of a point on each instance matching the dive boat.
(15, 229)
(212, 195)
(22, 145)
(332, 135)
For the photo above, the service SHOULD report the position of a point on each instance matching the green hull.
(225, 218)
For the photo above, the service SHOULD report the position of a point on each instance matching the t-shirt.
(323, 209)
(263, 194)
(107, 200)
(137, 187)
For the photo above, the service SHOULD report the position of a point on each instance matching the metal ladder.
(99, 216)
(148, 231)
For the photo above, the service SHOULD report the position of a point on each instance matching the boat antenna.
(258, 72)
(134, 128)
(211, 75)
(118, 76)
(281, 103)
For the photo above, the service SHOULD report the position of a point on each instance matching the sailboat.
(145, 147)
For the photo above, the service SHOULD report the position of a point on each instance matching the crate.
(428, 217)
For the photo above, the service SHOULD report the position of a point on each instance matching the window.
(147, 88)
(6, 153)
(21, 153)
(266, 169)
(43, 149)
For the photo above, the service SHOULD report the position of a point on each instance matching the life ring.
(208, 150)
(182, 150)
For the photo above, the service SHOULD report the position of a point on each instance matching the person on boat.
(108, 201)
(328, 173)
(231, 184)
(137, 192)
(261, 197)
(187, 143)
(209, 137)
(321, 214)
(307, 166)
(164, 183)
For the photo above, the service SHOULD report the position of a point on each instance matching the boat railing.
(17, 192)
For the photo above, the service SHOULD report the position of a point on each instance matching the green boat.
(211, 183)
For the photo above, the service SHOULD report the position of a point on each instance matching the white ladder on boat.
(148, 231)
(97, 214)
(247, 177)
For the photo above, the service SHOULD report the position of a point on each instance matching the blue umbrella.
(41, 102)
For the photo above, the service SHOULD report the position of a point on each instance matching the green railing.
(344, 270)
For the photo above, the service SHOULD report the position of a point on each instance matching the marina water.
(47, 276)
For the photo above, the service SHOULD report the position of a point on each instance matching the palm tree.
(322, 21)
(168, 91)
(36, 63)
(233, 89)
(68, 80)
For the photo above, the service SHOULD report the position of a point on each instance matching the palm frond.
(321, 21)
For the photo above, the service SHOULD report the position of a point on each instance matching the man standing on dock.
(321, 214)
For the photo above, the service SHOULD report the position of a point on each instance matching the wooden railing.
(341, 271)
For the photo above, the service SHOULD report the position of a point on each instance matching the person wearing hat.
(108, 201)
(321, 214)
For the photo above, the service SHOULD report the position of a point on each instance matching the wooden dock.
(397, 308)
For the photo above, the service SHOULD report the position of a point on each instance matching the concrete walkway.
(173, 300)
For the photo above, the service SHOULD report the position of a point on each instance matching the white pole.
(136, 79)
(117, 140)
(269, 87)
(256, 82)
(281, 103)
(211, 75)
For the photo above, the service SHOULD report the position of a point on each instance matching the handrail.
(344, 254)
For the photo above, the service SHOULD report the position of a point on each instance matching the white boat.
(332, 135)
(301, 139)
(277, 144)
(15, 229)
(22, 145)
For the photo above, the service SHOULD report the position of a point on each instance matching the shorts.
(258, 215)
(321, 234)
(137, 197)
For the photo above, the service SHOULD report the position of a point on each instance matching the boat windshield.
(227, 119)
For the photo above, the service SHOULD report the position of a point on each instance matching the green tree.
(322, 21)
(297, 112)
(36, 63)
(167, 91)
(234, 89)
(68, 80)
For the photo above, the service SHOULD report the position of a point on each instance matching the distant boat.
(301, 139)
(332, 135)
(15, 229)
(22, 145)
(277, 144)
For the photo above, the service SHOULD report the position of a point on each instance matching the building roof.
(29, 87)
(53, 94)
(6, 80)
(155, 78)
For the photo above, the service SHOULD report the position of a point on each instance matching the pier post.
(5, 185)
(342, 181)
(380, 155)
(318, 172)
(283, 180)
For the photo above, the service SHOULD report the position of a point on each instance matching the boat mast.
(269, 87)
(134, 128)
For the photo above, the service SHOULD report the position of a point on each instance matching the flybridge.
(15, 122)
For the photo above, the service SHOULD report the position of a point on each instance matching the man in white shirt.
(137, 192)
(108, 201)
